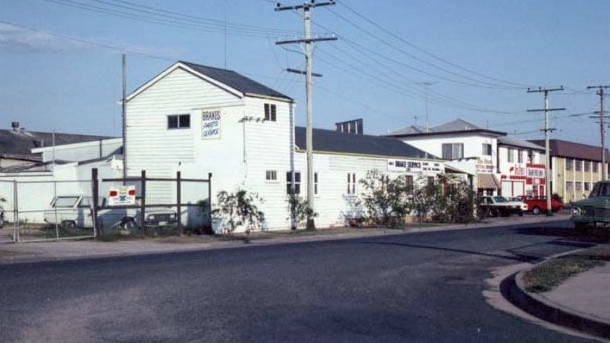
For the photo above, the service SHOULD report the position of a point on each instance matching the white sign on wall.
(210, 124)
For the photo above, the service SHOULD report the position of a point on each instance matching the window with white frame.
(179, 121)
(578, 165)
(587, 186)
(293, 183)
(351, 183)
(487, 149)
(569, 186)
(271, 175)
(569, 163)
(270, 112)
(511, 155)
(587, 166)
(519, 156)
(453, 151)
(595, 166)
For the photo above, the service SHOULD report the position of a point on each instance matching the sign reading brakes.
(210, 124)
(124, 195)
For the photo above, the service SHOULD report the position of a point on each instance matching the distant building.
(575, 168)
(501, 163)
(17, 143)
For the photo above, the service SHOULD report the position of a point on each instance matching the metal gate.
(30, 213)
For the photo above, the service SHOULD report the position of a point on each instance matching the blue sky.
(396, 62)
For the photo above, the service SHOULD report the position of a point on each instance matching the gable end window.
(179, 121)
(270, 112)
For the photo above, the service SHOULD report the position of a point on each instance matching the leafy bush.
(385, 200)
(238, 209)
(300, 211)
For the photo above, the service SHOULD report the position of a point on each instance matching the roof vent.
(15, 125)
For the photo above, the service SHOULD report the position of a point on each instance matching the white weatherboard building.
(199, 120)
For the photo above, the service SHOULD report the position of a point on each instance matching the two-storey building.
(502, 165)
(575, 168)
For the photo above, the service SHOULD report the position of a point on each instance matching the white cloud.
(18, 39)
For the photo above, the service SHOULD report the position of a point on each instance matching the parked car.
(493, 206)
(538, 205)
(593, 210)
(72, 211)
(517, 200)
(1, 216)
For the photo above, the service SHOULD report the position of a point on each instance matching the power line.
(150, 14)
(513, 85)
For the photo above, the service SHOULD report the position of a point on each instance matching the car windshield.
(500, 199)
(65, 201)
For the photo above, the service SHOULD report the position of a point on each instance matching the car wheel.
(520, 213)
(580, 226)
(536, 210)
(128, 223)
(1, 223)
(68, 224)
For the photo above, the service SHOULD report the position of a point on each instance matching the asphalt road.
(424, 287)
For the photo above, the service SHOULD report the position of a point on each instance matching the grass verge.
(550, 274)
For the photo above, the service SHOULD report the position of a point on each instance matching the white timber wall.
(333, 203)
(238, 157)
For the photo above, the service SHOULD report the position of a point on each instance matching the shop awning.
(488, 181)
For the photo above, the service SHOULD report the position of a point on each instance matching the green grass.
(550, 274)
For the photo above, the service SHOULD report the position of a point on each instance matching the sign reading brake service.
(124, 195)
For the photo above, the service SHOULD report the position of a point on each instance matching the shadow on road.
(512, 257)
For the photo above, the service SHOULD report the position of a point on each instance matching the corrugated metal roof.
(236, 81)
(339, 142)
(18, 143)
(455, 126)
(561, 148)
(516, 142)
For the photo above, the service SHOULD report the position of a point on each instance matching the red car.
(538, 205)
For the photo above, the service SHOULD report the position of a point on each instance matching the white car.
(517, 200)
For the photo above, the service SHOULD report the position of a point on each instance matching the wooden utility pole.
(602, 126)
(547, 150)
(123, 115)
(306, 7)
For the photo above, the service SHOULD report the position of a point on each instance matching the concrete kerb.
(513, 289)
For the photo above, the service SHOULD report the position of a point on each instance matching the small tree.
(457, 200)
(384, 199)
(426, 197)
(300, 211)
(238, 209)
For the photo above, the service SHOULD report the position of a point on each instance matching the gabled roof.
(18, 143)
(455, 126)
(561, 148)
(340, 142)
(516, 142)
(229, 80)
